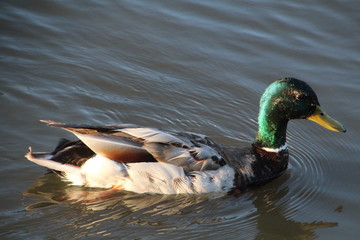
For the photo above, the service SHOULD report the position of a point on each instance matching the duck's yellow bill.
(323, 119)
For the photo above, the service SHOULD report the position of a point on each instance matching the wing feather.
(130, 143)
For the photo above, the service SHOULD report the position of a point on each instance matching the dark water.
(186, 65)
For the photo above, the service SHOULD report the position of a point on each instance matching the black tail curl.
(72, 152)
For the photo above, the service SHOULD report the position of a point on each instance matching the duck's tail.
(46, 160)
(66, 158)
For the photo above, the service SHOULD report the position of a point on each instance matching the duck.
(139, 159)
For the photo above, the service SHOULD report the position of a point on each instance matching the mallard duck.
(148, 160)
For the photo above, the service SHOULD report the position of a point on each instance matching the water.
(185, 65)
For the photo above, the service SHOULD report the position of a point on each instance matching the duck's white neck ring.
(275, 150)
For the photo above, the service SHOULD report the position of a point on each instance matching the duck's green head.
(287, 99)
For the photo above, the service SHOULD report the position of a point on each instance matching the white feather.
(220, 180)
(142, 177)
(166, 178)
(102, 172)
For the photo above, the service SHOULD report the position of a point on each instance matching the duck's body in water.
(147, 160)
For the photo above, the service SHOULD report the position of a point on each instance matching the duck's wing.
(131, 143)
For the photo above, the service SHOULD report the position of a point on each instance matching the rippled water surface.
(187, 65)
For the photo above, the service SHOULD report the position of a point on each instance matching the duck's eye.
(300, 97)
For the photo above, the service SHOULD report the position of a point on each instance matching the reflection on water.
(95, 199)
(267, 212)
(273, 224)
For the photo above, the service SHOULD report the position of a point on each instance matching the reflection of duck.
(267, 213)
(150, 160)
(52, 193)
(273, 223)
(46, 191)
